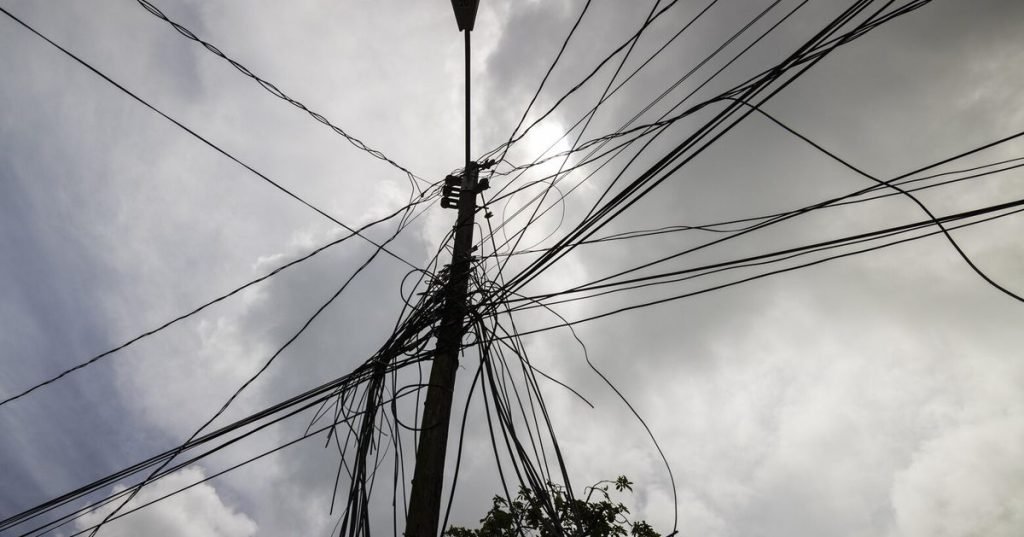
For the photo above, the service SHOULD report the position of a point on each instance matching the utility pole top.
(465, 13)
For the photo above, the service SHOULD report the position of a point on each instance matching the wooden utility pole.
(428, 478)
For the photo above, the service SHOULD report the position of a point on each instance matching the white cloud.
(198, 512)
(967, 482)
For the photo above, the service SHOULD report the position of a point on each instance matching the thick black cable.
(308, 399)
(253, 378)
(196, 135)
(649, 180)
(514, 138)
(779, 255)
(306, 435)
(587, 229)
(193, 312)
(662, 123)
(716, 227)
(361, 372)
(647, 129)
(741, 281)
(273, 90)
(826, 203)
(609, 94)
(963, 255)
(632, 409)
(689, 73)
(589, 117)
(536, 94)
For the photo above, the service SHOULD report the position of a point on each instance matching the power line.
(544, 80)
(590, 116)
(717, 227)
(514, 138)
(199, 137)
(745, 280)
(253, 378)
(294, 406)
(407, 340)
(200, 308)
(661, 123)
(963, 255)
(521, 417)
(792, 214)
(785, 254)
(704, 136)
(273, 90)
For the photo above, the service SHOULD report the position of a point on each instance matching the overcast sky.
(879, 394)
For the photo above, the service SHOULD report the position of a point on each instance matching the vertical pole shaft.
(428, 478)
(468, 158)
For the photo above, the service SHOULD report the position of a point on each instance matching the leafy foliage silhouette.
(552, 513)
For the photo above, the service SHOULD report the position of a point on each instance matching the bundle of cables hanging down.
(371, 415)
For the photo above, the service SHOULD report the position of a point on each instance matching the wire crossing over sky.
(273, 90)
(517, 261)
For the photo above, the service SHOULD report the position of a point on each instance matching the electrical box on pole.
(450, 192)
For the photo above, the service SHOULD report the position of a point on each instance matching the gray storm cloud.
(874, 395)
